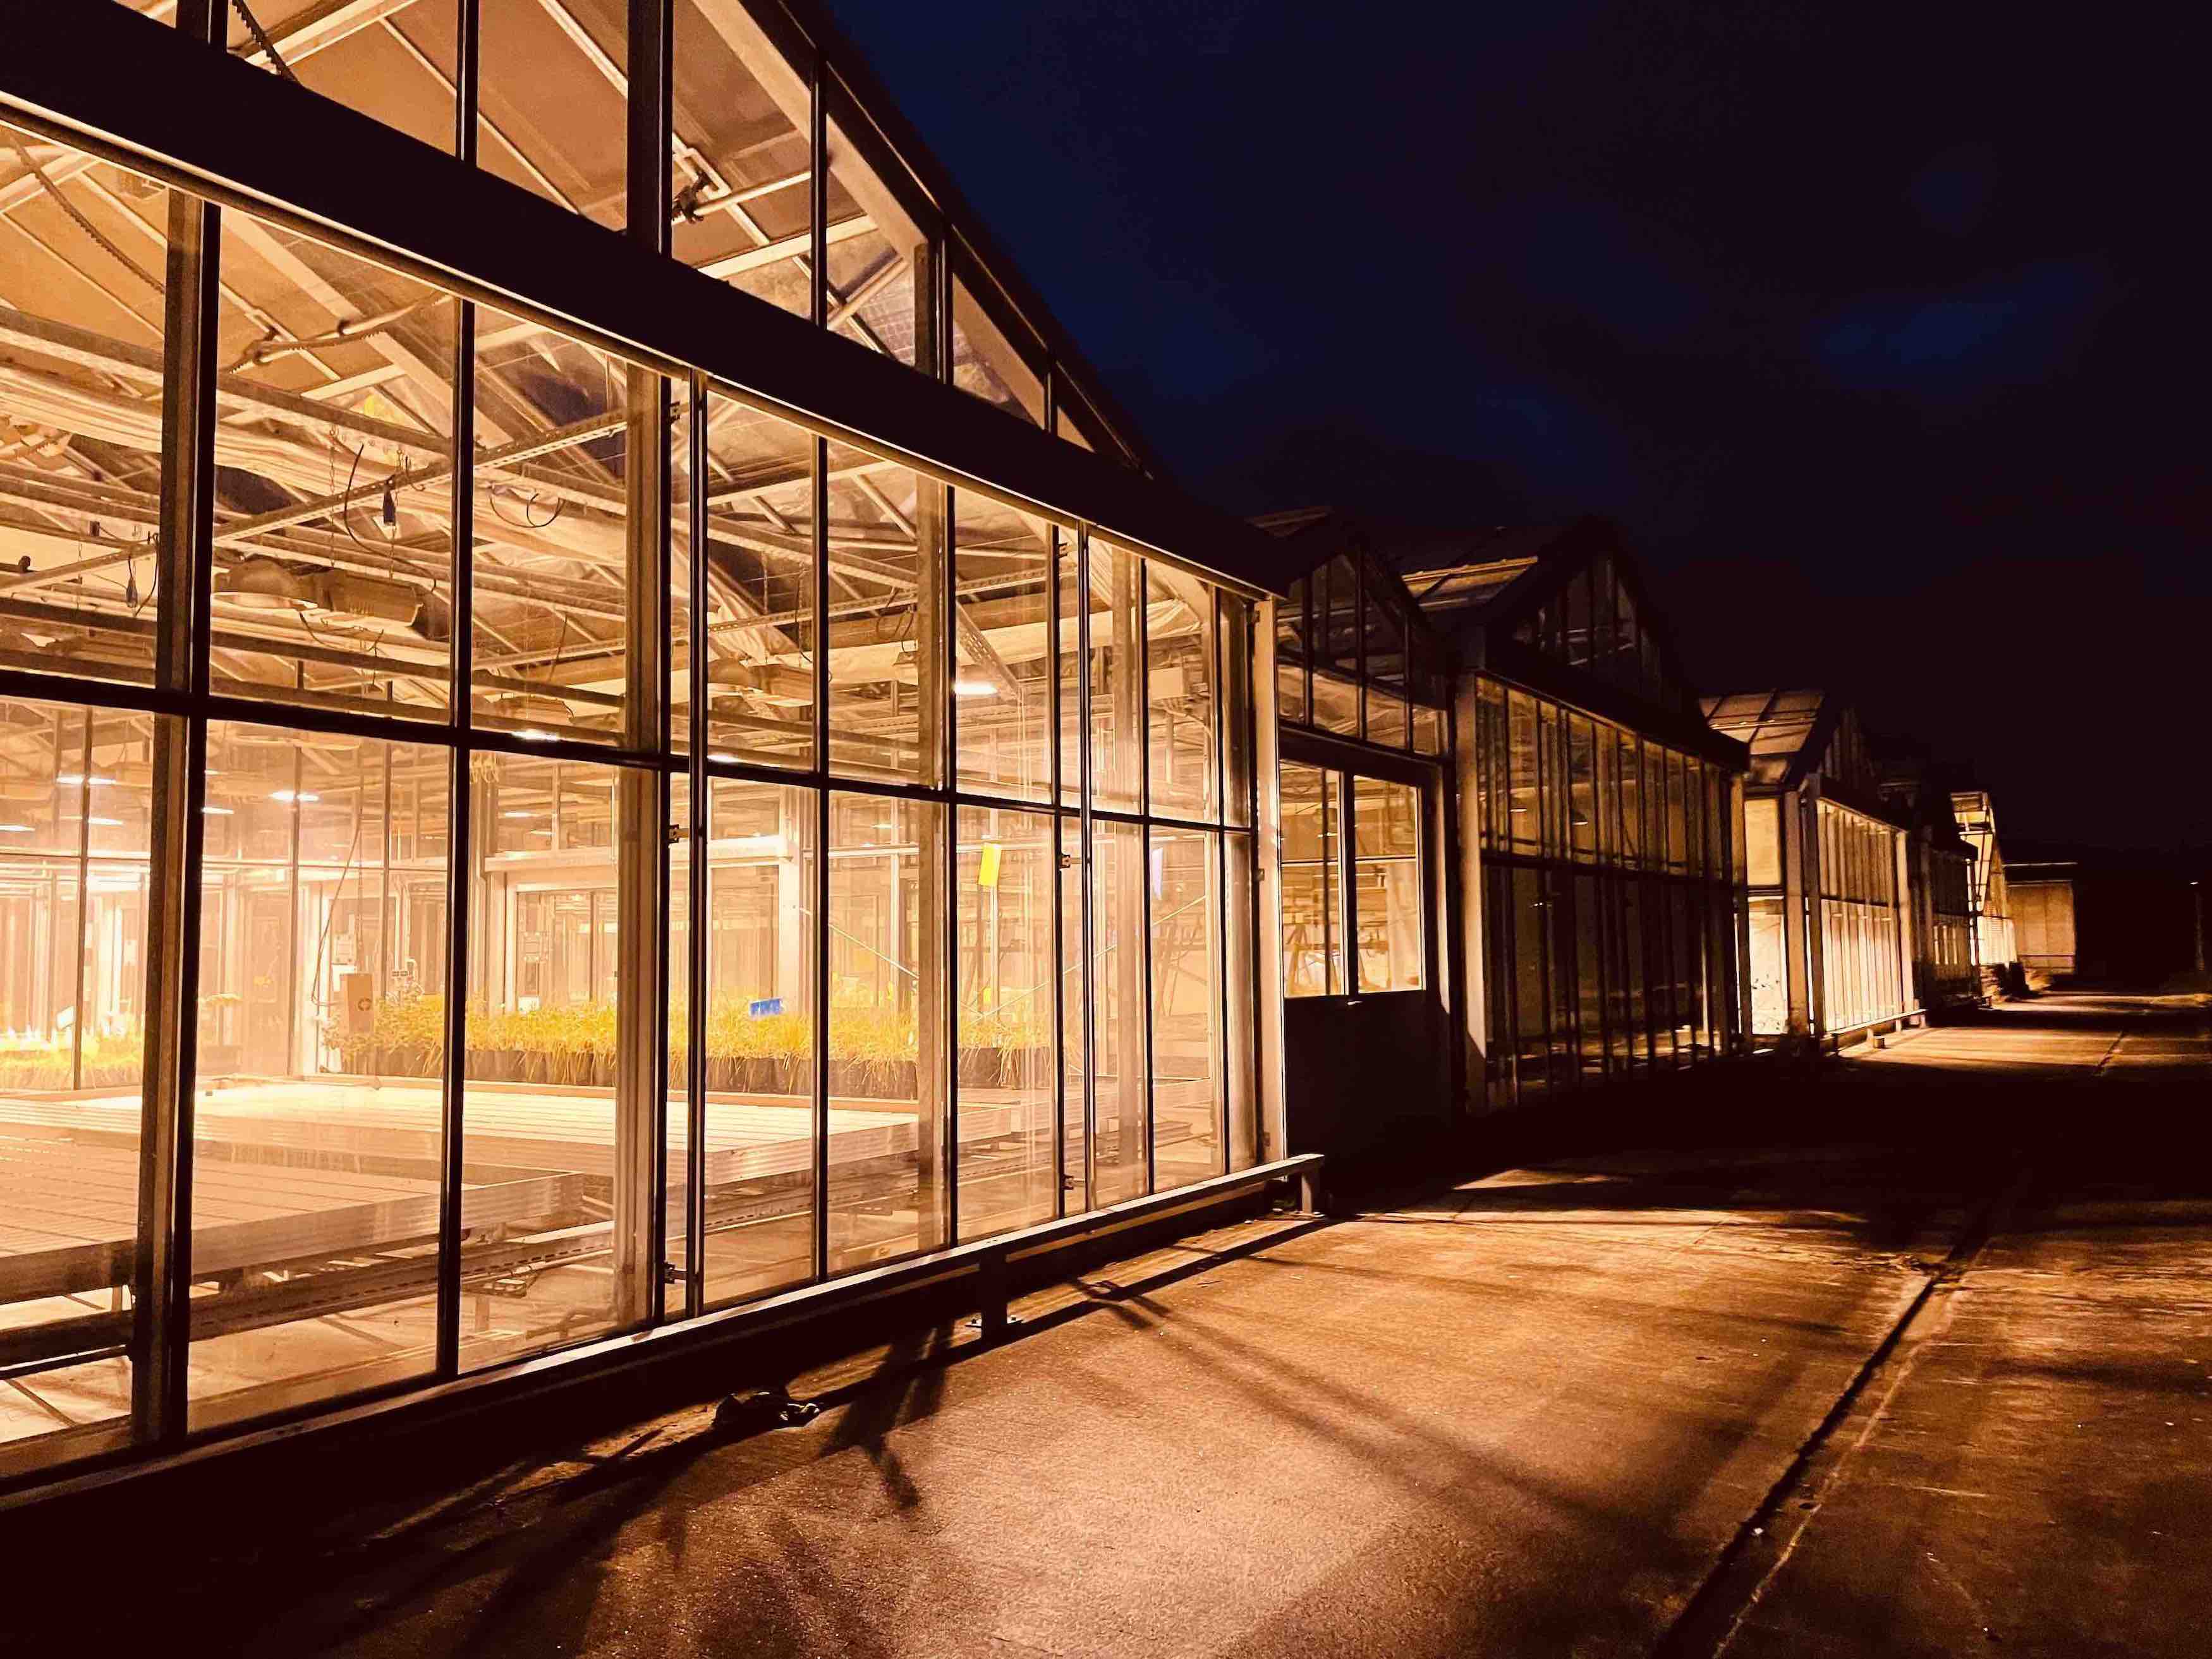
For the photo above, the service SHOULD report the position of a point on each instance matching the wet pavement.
(1910, 1354)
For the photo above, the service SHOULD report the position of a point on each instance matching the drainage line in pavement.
(1766, 1537)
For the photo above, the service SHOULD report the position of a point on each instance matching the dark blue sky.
(1881, 331)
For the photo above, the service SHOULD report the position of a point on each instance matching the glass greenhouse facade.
(541, 798)
(1835, 925)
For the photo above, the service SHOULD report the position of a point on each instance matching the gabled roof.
(1779, 728)
(1560, 608)
(1795, 734)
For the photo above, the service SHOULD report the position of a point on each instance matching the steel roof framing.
(149, 97)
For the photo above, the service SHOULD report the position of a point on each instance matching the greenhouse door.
(1363, 1027)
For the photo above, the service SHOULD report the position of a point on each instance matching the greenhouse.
(598, 720)
(1830, 906)
(1512, 847)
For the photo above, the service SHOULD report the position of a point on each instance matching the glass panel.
(1336, 614)
(676, 1242)
(1240, 1050)
(399, 68)
(887, 694)
(551, 609)
(317, 1125)
(553, 101)
(760, 588)
(1578, 619)
(1762, 818)
(742, 174)
(1237, 630)
(1582, 775)
(81, 355)
(761, 941)
(1003, 668)
(986, 363)
(1007, 881)
(1186, 989)
(1715, 824)
(1290, 655)
(1179, 694)
(1529, 976)
(1554, 797)
(557, 1258)
(1624, 958)
(1386, 673)
(1525, 821)
(1386, 718)
(1117, 723)
(1559, 915)
(888, 1070)
(334, 568)
(876, 241)
(73, 1005)
(1117, 977)
(1074, 1070)
(1608, 794)
(1694, 816)
(1312, 947)
(1589, 977)
(1335, 703)
(1677, 832)
(1385, 880)
(1068, 598)
(1632, 800)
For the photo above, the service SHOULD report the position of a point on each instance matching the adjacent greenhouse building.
(1499, 791)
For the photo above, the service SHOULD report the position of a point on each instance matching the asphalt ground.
(1908, 1353)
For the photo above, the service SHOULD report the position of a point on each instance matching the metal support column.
(460, 842)
(161, 1275)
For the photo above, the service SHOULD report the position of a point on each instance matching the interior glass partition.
(1612, 871)
(618, 853)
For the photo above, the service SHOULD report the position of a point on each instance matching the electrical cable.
(525, 522)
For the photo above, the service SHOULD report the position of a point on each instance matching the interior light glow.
(973, 689)
(72, 779)
(106, 824)
(15, 828)
(521, 812)
(288, 796)
(721, 754)
(531, 734)
(218, 812)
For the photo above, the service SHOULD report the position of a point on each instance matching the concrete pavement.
(1762, 1386)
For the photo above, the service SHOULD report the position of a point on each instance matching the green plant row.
(733, 1031)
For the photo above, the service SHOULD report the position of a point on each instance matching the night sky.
(1881, 332)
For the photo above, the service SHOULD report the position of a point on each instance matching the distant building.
(1997, 953)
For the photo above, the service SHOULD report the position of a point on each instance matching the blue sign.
(766, 1005)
